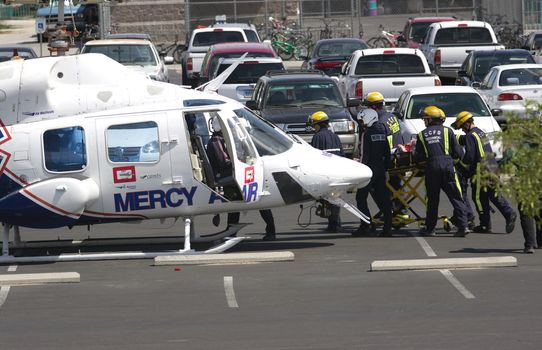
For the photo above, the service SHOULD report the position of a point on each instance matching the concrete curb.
(232, 258)
(449, 263)
(39, 278)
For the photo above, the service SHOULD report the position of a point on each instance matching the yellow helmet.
(433, 112)
(374, 98)
(318, 117)
(461, 118)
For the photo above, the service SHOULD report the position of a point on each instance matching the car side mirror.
(252, 104)
(496, 112)
(401, 38)
(168, 60)
(353, 102)
(462, 73)
(476, 85)
(182, 47)
(399, 115)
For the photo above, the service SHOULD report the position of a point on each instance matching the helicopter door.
(248, 168)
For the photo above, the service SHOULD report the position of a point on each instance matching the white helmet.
(215, 123)
(369, 116)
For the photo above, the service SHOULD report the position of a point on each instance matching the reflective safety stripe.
(332, 150)
(457, 183)
(446, 142)
(420, 138)
(390, 141)
(480, 145)
(477, 184)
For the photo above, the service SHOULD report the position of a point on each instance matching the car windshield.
(483, 64)
(217, 57)
(297, 94)
(521, 76)
(339, 48)
(216, 37)
(450, 103)
(418, 30)
(248, 73)
(267, 138)
(128, 55)
(389, 64)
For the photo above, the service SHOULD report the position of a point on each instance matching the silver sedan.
(507, 88)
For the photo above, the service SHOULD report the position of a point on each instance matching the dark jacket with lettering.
(437, 143)
(326, 140)
(218, 156)
(376, 149)
(478, 152)
(392, 125)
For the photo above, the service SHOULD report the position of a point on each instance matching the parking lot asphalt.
(326, 299)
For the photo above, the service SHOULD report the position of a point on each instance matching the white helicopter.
(83, 141)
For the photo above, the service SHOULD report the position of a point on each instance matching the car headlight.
(343, 126)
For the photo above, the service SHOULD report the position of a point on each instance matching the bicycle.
(175, 49)
(285, 47)
(385, 39)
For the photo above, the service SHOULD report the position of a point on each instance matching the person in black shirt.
(438, 146)
(326, 140)
(376, 155)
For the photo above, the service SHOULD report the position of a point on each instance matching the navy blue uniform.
(376, 155)
(438, 146)
(463, 177)
(326, 140)
(479, 158)
(395, 138)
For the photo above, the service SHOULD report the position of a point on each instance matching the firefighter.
(376, 155)
(478, 159)
(326, 140)
(375, 100)
(438, 146)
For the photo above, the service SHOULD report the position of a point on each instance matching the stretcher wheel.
(447, 226)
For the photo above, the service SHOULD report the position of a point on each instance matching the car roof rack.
(272, 73)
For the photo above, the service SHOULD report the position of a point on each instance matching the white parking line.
(12, 268)
(4, 290)
(426, 247)
(230, 293)
(455, 282)
(446, 273)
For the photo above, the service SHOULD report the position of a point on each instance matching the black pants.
(532, 232)
(266, 214)
(381, 196)
(440, 174)
(395, 182)
(482, 195)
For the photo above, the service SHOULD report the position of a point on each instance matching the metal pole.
(300, 13)
(436, 5)
(235, 11)
(352, 18)
(187, 16)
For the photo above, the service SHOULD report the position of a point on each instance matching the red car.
(232, 50)
(415, 30)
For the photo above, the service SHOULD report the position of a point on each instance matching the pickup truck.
(202, 38)
(447, 44)
(388, 71)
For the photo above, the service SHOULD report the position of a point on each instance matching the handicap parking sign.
(40, 25)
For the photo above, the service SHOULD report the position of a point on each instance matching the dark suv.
(287, 99)
(478, 63)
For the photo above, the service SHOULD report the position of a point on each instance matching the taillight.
(359, 89)
(509, 96)
(218, 30)
(327, 64)
(387, 52)
(462, 25)
(437, 57)
(189, 65)
(437, 82)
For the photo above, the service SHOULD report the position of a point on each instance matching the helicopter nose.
(328, 175)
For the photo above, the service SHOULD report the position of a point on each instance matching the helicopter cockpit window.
(133, 143)
(64, 149)
(265, 136)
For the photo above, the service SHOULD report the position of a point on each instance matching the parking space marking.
(4, 290)
(426, 247)
(455, 282)
(12, 268)
(230, 293)
(446, 273)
